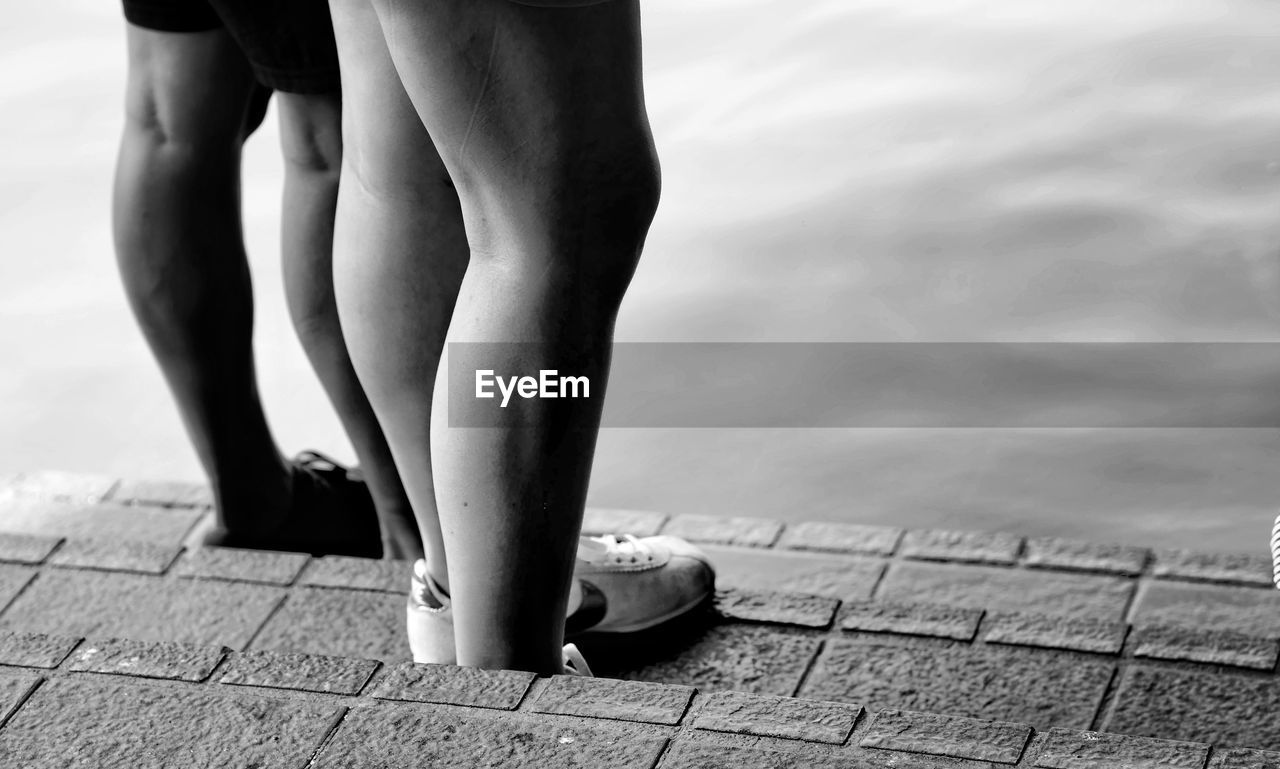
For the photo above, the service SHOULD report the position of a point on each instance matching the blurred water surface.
(834, 170)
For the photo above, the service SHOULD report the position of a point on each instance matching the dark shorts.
(289, 43)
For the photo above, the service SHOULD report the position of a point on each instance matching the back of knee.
(311, 132)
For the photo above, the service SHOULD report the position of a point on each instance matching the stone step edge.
(780, 723)
(972, 547)
(1255, 652)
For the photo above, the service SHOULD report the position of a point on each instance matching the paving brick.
(1058, 553)
(911, 619)
(743, 532)
(110, 605)
(974, 546)
(809, 720)
(12, 580)
(609, 698)
(1247, 569)
(1216, 647)
(266, 566)
(162, 493)
(148, 659)
(798, 609)
(998, 741)
(13, 688)
(639, 523)
(1065, 749)
(1243, 758)
(1007, 590)
(1051, 632)
(1255, 611)
(358, 574)
(83, 723)
(26, 548)
(841, 538)
(348, 623)
(453, 685)
(80, 488)
(753, 658)
(1198, 705)
(403, 735)
(134, 523)
(849, 579)
(687, 754)
(305, 672)
(35, 650)
(1011, 684)
(110, 555)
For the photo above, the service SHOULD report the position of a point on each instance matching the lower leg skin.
(312, 145)
(176, 217)
(539, 118)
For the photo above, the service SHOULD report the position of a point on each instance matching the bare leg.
(181, 255)
(399, 254)
(311, 140)
(539, 117)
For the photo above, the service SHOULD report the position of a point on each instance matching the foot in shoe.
(331, 513)
(621, 585)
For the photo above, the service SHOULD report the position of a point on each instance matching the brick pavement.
(827, 645)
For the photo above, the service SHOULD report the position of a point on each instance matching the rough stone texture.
(230, 563)
(178, 661)
(779, 608)
(92, 723)
(1050, 632)
(1216, 647)
(347, 623)
(1243, 568)
(809, 720)
(12, 689)
(743, 532)
(1203, 706)
(1040, 688)
(306, 672)
(35, 650)
(453, 685)
(106, 605)
(162, 493)
(1242, 758)
(610, 698)
(975, 546)
(1007, 590)
(79, 488)
(26, 548)
(1255, 611)
(111, 555)
(1065, 749)
(1058, 553)
(639, 523)
(404, 736)
(686, 754)
(751, 658)
(849, 579)
(12, 580)
(358, 574)
(998, 741)
(841, 538)
(911, 619)
(134, 523)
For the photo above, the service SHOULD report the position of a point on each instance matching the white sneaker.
(621, 585)
(1275, 551)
